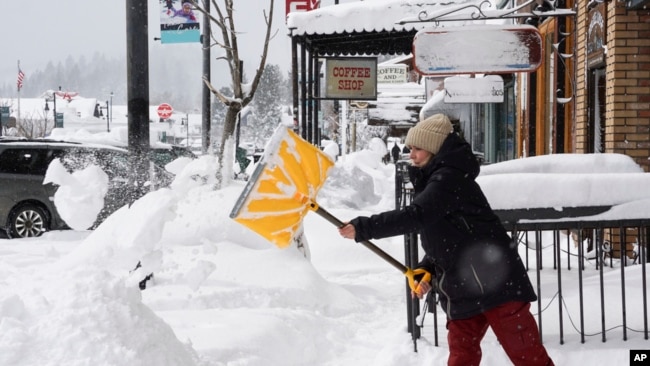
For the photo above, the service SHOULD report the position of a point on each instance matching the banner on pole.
(178, 22)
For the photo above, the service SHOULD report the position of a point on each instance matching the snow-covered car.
(160, 153)
(26, 204)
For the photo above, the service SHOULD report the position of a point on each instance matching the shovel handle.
(329, 217)
(409, 273)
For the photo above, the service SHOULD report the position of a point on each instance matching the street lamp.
(54, 106)
(46, 109)
(186, 122)
(108, 127)
(110, 113)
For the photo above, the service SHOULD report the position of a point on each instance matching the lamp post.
(46, 109)
(108, 127)
(101, 114)
(186, 122)
(110, 113)
(54, 106)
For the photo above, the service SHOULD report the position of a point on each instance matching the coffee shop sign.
(351, 78)
(393, 74)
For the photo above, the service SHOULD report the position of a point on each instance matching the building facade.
(592, 93)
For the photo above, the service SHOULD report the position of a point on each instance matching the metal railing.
(613, 249)
(403, 195)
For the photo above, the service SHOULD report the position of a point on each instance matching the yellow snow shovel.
(283, 188)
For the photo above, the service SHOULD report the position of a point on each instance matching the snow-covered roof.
(370, 27)
(365, 16)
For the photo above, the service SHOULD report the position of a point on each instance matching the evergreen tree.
(219, 115)
(267, 108)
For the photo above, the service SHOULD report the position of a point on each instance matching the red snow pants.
(515, 328)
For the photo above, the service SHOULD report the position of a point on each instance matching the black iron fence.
(590, 275)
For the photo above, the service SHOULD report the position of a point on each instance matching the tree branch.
(260, 70)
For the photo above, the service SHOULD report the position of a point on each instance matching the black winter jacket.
(466, 247)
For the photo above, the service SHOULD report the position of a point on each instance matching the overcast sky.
(38, 31)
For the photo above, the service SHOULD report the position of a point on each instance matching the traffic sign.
(58, 120)
(165, 111)
(4, 116)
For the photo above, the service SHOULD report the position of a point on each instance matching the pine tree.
(267, 109)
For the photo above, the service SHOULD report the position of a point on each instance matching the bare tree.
(243, 92)
(34, 126)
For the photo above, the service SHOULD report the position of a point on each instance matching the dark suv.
(26, 204)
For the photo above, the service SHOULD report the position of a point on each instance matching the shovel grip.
(422, 274)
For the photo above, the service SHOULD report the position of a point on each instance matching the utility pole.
(137, 52)
(109, 121)
(206, 113)
(54, 107)
(108, 118)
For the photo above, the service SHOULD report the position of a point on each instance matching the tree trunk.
(224, 22)
(225, 160)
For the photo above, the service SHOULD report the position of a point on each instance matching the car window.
(76, 159)
(112, 163)
(26, 161)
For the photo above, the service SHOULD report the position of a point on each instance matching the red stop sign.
(165, 110)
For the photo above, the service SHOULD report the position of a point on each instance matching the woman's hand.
(422, 289)
(347, 231)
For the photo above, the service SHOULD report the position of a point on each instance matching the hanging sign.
(178, 22)
(487, 89)
(480, 49)
(392, 74)
(351, 78)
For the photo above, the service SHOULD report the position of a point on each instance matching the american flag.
(21, 76)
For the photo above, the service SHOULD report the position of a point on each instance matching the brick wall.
(628, 83)
(627, 114)
(581, 77)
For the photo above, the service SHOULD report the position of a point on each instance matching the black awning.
(359, 43)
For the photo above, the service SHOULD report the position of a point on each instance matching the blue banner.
(178, 22)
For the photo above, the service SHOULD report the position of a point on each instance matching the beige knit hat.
(430, 133)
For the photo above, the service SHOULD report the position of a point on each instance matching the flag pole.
(18, 85)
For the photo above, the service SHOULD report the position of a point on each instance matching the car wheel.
(28, 221)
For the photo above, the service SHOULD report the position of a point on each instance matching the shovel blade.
(281, 189)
